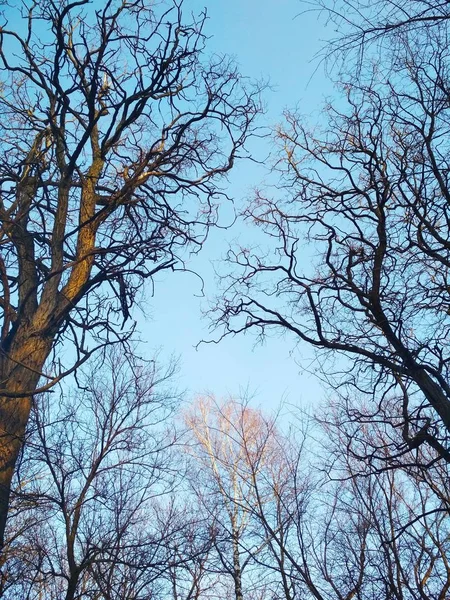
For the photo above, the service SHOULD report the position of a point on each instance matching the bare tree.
(229, 437)
(337, 529)
(359, 265)
(393, 521)
(114, 138)
(190, 575)
(93, 514)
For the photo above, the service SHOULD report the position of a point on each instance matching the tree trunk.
(237, 572)
(19, 373)
(14, 413)
(72, 587)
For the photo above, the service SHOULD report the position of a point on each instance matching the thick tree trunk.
(72, 587)
(19, 373)
(14, 414)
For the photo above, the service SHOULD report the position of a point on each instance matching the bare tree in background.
(228, 435)
(92, 514)
(337, 528)
(190, 576)
(392, 521)
(114, 139)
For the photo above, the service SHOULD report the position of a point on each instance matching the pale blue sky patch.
(269, 40)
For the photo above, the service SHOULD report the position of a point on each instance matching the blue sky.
(268, 40)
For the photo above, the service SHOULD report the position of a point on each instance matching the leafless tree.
(92, 514)
(359, 265)
(115, 136)
(393, 521)
(229, 437)
(336, 529)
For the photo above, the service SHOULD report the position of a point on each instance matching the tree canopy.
(364, 197)
(116, 133)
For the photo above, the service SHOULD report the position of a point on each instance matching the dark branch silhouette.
(115, 137)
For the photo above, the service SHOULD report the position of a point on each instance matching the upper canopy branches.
(370, 193)
(115, 134)
(378, 30)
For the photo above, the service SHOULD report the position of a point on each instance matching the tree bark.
(14, 413)
(237, 571)
(72, 586)
(20, 372)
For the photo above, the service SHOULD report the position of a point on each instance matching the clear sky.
(268, 39)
